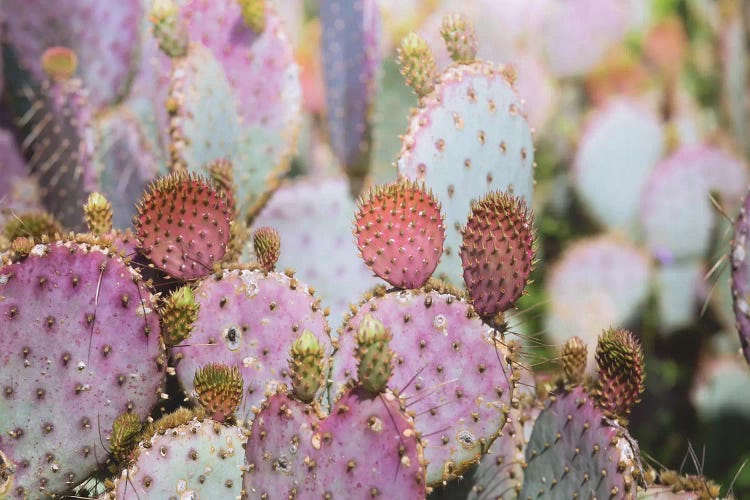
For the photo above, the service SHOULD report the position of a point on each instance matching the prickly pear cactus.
(104, 35)
(573, 449)
(198, 458)
(452, 371)
(250, 319)
(740, 259)
(261, 87)
(469, 136)
(350, 56)
(621, 144)
(95, 340)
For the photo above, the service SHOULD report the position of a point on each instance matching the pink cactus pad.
(450, 369)
(366, 448)
(400, 233)
(250, 319)
(79, 344)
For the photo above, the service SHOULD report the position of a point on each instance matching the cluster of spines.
(218, 388)
(619, 358)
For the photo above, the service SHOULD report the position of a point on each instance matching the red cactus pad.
(400, 233)
(497, 252)
(183, 225)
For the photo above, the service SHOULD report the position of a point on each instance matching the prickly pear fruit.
(400, 233)
(497, 252)
(183, 225)
(619, 358)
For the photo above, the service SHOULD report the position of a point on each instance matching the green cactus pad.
(573, 449)
(468, 137)
(198, 459)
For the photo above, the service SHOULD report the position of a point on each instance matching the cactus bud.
(98, 214)
(178, 314)
(125, 431)
(32, 225)
(254, 14)
(60, 63)
(619, 358)
(267, 243)
(574, 356)
(218, 388)
(459, 37)
(417, 64)
(169, 30)
(374, 356)
(306, 366)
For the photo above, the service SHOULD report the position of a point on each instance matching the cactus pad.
(447, 368)
(497, 252)
(740, 259)
(400, 233)
(367, 447)
(183, 225)
(98, 340)
(468, 137)
(573, 449)
(249, 319)
(197, 459)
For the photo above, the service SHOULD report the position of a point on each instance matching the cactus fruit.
(417, 64)
(350, 57)
(218, 389)
(400, 233)
(94, 318)
(460, 38)
(574, 357)
(468, 137)
(59, 63)
(497, 252)
(199, 458)
(452, 371)
(183, 225)
(740, 260)
(619, 360)
(267, 245)
(250, 319)
(98, 214)
(573, 449)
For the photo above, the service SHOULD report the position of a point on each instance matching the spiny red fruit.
(497, 252)
(183, 225)
(400, 233)
(619, 359)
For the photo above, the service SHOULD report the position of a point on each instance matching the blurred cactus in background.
(349, 249)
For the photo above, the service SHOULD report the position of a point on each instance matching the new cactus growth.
(178, 313)
(267, 245)
(98, 214)
(306, 364)
(183, 225)
(59, 63)
(254, 14)
(574, 357)
(124, 437)
(497, 252)
(218, 389)
(32, 225)
(400, 233)
(417, 64)
(740, 260)
(459, 37)
(374, 356)
(169, 30)
(619, 359)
